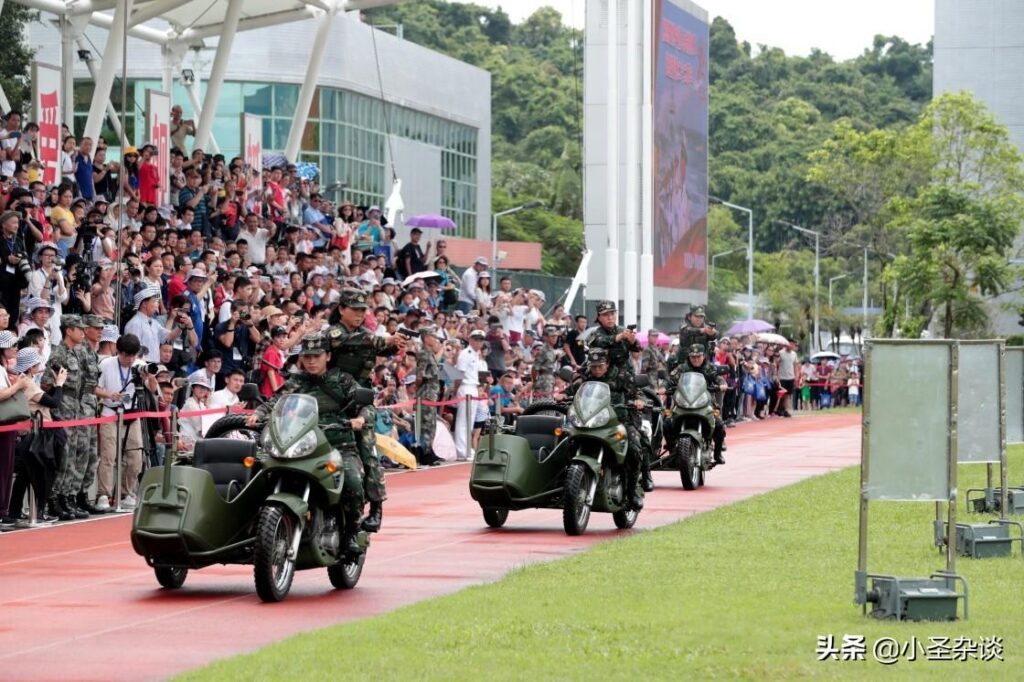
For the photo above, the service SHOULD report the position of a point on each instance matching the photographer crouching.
(120, 379)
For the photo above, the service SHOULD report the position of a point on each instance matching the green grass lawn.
(742, 591)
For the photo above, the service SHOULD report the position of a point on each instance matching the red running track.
(77, 603)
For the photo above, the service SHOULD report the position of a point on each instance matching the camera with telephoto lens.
(24, 264)
(139, 368)
(245, 317)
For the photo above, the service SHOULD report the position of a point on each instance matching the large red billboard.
(679, 155)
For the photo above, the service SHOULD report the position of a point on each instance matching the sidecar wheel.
(495, 518)
(273, 569)
(230, 424)
(550, 408)
(625, 518)
(345, 576)
(576, 508)
(171, 578)
(690, 471)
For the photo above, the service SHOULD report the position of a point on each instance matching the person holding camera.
(15, 270)
(146, 329)
(237, 337)
(118, 382)
(47, 283)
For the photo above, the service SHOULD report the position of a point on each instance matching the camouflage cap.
(697, 349)
(552, 330)
(696, 310)
(71, 321)
(597, 356)
(94, 321)
(353, 298)
(314, 344)
(606, 307)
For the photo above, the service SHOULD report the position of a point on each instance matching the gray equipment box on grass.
(931, 598)
(988, 502)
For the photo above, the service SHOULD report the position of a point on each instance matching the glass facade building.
(346, 136)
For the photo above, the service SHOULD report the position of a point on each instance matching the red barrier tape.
(23, 426)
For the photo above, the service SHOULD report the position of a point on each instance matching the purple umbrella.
(431, 220)
(750, 327)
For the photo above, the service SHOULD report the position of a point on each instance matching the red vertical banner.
(158, 116)
(46, 84)
(252, 155)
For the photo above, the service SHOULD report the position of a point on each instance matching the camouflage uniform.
(689, 335)
(354, 352)
(428, 374)
(90, 377)
(331, 391)
(544, 364)
(712, 379)
(650, 362)
(76, 457)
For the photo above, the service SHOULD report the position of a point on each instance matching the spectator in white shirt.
(228, 396)
(143, 325)
(257, 238)
(467, 290)
(47, 283)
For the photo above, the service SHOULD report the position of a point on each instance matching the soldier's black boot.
(371, 524)
(84, 504)
(60, 508)
(719, 457)
(646, 480)
(73, 507)
(349, 544)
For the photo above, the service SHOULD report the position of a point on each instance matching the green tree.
(961, 227)
(15, 55)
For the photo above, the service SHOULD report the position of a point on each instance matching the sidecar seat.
(223, 458)
(539, 432)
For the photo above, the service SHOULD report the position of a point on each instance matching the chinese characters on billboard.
(46, 111)
(158, 111)
(680, 148)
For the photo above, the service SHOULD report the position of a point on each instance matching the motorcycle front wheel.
(273, 569)
(625, 518)
(576, 507)
(346, 576)
(690, 471)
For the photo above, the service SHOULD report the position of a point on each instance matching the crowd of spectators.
(214, 288)
(218, 287)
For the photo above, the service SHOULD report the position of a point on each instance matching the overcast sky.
(843, 28)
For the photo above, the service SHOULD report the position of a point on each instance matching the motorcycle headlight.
(301, 447)
(599, 419)
(267, 442)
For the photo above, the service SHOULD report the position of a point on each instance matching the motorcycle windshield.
(592, 397)
(693, 389)
(293, 415)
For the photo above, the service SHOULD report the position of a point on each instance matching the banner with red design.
(46, 106)
(158, 116)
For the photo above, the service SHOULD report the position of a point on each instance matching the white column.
(5, 104)
(648, 306)
(316, 60)
(612, 207)
(115, 120)
(220, 67)
(104, 81)
(67, 76)
(629, 269)
(197, 113)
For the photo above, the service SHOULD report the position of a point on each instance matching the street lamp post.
(719, 255)
(816, 342)
(750, 251)
(494, 227)
(830, 280)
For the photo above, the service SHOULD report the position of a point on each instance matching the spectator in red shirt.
(178, 286)
(272, 363)
(149, 177)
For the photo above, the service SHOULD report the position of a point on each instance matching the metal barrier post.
(469, 427)
(418, 424)
(118, 452)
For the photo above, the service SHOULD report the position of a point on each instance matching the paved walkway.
(77, 603)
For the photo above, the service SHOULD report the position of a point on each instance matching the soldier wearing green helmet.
(696, 361)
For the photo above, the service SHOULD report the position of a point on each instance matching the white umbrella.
(825, 355)
(770, 337)
(426, 274)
